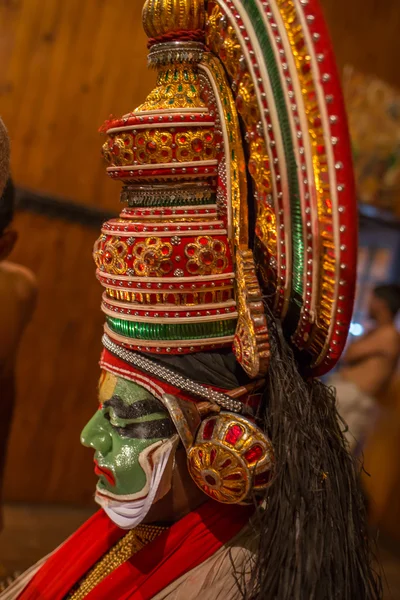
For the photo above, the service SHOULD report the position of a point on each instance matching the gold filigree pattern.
(177, 87)
(223, 41)
(152, 257)
(230, 457)
(111, 257)
(229, 484)
(160, 146)
(128, 546)
(193, 298)
(266, 226)
(236, 154)
(295, 34)
(195, 145)
(207, 256)
(166, 16)
(251, 345)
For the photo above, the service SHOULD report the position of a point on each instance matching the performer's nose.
(96, 434)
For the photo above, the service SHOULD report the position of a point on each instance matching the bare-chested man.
(369, 365)
(17, 299)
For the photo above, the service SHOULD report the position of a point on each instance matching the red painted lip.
(109, 475)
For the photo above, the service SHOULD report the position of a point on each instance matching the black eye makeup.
(149, 429)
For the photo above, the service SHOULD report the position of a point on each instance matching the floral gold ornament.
(206, 255)
(111, 257)
(177, 88)
(235, 241)
(152, 258)
(251, 344)
(152, 147)
(218, 132)
(230, 458)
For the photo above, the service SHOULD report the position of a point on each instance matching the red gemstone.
(197, 145)
(233, 435)
(254, 454)
(208, 429)
(207, 258)
(108, 257)
(262, 478)
(213, 454)
(234, 477)
(210, 480)
(150, 258)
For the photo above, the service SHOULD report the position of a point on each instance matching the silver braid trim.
(183, 383)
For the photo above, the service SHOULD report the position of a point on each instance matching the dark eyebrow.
(147, 430)
(136, 410)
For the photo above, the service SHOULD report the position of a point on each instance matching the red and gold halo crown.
(237, 177)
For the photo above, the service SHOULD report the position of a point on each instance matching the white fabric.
(358, 410)
(128, 515)
(216, 578)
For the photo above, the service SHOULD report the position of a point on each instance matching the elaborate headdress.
(238, 180)
(240, 217)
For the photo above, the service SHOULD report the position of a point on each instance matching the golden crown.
(235, 173)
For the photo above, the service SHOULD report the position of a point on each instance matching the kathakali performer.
(228, 285)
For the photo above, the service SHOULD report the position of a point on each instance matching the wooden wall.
(64, 67)
(365, 34)
(58, 366)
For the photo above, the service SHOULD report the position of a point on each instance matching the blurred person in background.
(368, 367)
(17, 300)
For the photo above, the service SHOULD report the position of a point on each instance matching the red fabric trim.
(187, 544)
(119, 367)
(73, 559)
(111, 363)
(197, 35)
(347, 197)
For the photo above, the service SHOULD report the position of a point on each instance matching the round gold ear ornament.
(231, 458)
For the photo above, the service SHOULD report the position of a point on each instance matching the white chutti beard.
(129, 514)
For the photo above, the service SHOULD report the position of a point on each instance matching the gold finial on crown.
(162, 17)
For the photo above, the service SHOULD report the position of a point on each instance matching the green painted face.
(128, 427)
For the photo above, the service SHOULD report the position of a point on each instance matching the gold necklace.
(130, 544)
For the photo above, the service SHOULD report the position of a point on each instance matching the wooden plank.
(58, 366)
(65, 67)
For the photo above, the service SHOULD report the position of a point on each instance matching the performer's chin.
(103, 496)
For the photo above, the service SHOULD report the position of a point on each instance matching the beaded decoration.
(238, 188)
